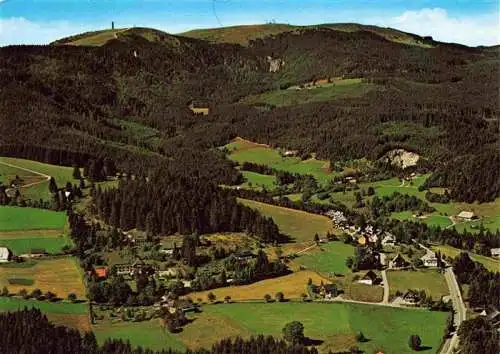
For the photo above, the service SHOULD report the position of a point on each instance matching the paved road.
(458, 307)
(386, 287)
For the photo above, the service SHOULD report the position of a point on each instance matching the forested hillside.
(128, 100)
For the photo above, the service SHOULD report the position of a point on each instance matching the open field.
(60, 173)
(18, 218)
(147, 334)
(386, 328)
(24, 245)
(257, 180)
(242, 150)
(61, 313)
(293, 96)
(327, 258)
(490, 263)
(429, 280)
(60, 275)
(364, 292)
(9, 173)
(300, 225)
(292, 286)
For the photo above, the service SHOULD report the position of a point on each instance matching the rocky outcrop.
(402, 158)
(275, 64)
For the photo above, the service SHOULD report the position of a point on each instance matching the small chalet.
(398, 262)
(101, 272)
(328, 291)
(5, 255)
(289, 153)
(495, 252)
(370, 278)
(411, 298)
(466, 215)
(388, 240)
(430, 260)
(245, 255)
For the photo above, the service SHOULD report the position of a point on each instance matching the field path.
(47, 177)
(386, 287)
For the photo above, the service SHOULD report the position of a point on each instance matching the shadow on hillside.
(424, 348)
(315, 342)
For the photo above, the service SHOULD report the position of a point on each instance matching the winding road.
(460, 310)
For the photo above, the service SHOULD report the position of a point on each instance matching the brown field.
(292, 286)
(364, 292)
(80, 322)
(58, 275)
(31, 233)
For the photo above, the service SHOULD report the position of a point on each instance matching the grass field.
(292, 286)
(386, 328)
(299, 225)
(256, 181)
(242, 150)
(490, 263)
(60, 275)
(60, 173)
(429, 280)
(364, 292)
(61, 313)
(24, 245)
(328, 258)
(288, 97)
(17, 218)
(147, 334)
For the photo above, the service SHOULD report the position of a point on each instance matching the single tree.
(316, 238)
(279, 296)
(50, 296)
(227, 299)
(5, 291)
(23, 293)
(267, 298)
(72, 297)
(52, 185)
(211, 297)
(414, 342)
(37, 293)
(76, 173)
(293, 332)
(304, 297)
(360, 337)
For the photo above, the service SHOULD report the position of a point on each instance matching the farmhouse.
(5, 255)
(289, 153)
(398, 262)
(466, 215)
(388, 240)
(328, 291)
(370, 278)
(495, 252)
(244, 255)
(430, 260)
(411, 298)
(101, 272)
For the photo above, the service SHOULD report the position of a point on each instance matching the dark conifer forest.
(66, 104)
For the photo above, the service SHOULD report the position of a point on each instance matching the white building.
(5, 255)
(495, 252)
(430, 260)
(466, 215)
(388, 240)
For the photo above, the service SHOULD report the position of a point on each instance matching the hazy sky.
(471, 22)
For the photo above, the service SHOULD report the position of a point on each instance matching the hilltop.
(244, 34)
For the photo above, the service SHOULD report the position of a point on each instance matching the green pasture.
(294, 96)
(386, 328)
(255, 180)
(24, 245)
(147, 334)
(15, 303)
(18, 218)
(300, 225)
(330, 258)
(429, 280)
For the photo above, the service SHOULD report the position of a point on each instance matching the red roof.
(101, 272)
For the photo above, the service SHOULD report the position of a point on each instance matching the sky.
(470, 22)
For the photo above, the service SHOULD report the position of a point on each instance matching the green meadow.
(256, 180)
(18, 218)
(295, 96)
(490, 263)
(147, 334)
(387, 329)
(429, 280)
(245, 151)
(330, 258)
(14, 304)
(24, 245)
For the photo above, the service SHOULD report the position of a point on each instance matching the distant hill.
(244, 34)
